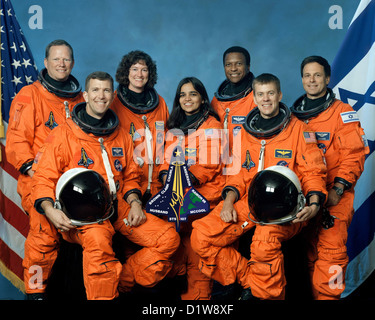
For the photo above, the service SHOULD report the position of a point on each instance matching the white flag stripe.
(367, 117)
(363, 75)
(362, 72)
(8, 186)
(358, 270)
(12, 238)
(365, 185)
(2, 140)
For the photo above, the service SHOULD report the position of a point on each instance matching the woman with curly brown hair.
(143, 113)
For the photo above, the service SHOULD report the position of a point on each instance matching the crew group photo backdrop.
(188, 38)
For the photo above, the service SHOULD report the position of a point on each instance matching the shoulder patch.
(350, 116)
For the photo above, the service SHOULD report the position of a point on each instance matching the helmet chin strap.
(149, 155)
(261, 156)
(107, 166)
(67, 111)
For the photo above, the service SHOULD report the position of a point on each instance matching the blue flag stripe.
(18, 67)
(360, 237)
(356, 44)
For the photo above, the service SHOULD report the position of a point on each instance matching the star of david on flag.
(353, 81)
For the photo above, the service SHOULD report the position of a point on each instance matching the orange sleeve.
(52, 160)
(310, 165)
(21, 129)
(352, 147)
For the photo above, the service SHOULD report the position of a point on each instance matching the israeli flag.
(353, 81)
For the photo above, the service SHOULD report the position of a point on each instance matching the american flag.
(309, 137)
(17, 70)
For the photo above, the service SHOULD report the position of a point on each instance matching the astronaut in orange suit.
(143, 113)
(343, 142)
(234, 99)
(37, 109)
(93, 139)
(196, 128)
(271, 137)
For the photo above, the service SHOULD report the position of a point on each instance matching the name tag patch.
(323, 136)
(281, 153)
(117, 152)
(238, 119)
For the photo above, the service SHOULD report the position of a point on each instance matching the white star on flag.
(26, 63)
(16, 63)
(16, 80)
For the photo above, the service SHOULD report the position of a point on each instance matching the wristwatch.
(338, 190)
(135, 200)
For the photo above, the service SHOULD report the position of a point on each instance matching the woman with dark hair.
(195, 126)
(179, 115)
(143, 113)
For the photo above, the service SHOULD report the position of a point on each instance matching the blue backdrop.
(188, 37)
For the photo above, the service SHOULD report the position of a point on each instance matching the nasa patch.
(283, 163)
(190, 162)
(236, 130)
(118, 165)
(322, 147)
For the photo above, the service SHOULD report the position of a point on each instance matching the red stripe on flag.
(11, 260)
(14, 215)
(6, 165)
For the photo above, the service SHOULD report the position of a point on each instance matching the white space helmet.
(84, 196)
(275, 196)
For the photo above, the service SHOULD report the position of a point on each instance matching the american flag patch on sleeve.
(309, 137)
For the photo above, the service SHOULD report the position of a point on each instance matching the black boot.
(36, 296)
(246, 295)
